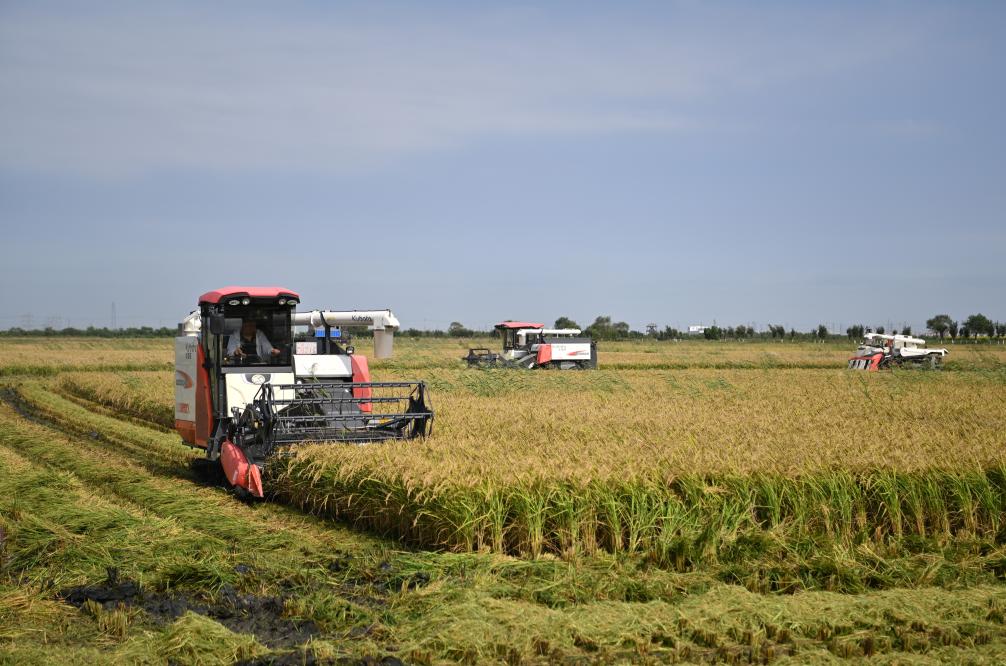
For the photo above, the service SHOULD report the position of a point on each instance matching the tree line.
(975, 325)
(603, 328)
(91, 332)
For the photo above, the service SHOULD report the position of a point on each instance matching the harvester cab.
(253, 376)
(879, 351)
(531, 345)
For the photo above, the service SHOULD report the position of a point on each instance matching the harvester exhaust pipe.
(382, 322)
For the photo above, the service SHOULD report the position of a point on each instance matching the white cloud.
(123, 91)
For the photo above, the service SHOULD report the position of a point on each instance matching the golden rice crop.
(144, 395)
(47, 356)
(673, 462)
(511, 424)
(505, 425)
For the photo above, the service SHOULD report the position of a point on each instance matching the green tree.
(939, 324)
(601, 329)
(566, 322)
(855, 332)
(712, 333)
(979, 324)
(952, 329)
(822, 332)
(670, 333)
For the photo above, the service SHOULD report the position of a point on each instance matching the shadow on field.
(208, 473)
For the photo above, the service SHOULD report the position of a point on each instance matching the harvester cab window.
(257, 335)
(509, 338)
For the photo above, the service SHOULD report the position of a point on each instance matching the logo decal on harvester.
(182, 379)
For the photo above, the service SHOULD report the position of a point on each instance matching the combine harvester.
(880, 351)
(530, 345)
(247, 385)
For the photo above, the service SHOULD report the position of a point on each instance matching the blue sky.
(675, 163)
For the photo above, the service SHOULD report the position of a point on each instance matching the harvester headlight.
(282, 301)
(257, 379)
(291, 302)
(233, 301)
(245, 301)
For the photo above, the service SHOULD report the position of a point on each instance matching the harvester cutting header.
(253, 375)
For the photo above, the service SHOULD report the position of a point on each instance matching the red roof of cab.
(519, 324)
(218, 295)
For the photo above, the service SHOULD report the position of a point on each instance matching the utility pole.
(113, 315)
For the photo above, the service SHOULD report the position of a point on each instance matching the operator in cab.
(251, 342)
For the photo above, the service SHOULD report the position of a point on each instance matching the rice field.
(688, 501)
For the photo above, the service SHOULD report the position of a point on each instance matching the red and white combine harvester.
(880, 351)
(531, 345)
(252, 375)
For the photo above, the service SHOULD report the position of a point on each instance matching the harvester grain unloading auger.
(247, 386)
